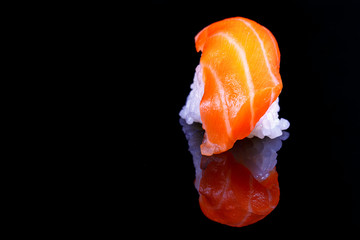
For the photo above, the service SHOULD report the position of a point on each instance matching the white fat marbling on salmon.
(242, 55)
(274, 79)
(222, 99)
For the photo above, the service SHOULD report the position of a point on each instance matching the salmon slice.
(240, 62)
(229, 193)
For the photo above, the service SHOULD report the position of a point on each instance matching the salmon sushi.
(236, 86)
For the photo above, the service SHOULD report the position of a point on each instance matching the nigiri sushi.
(236, 85)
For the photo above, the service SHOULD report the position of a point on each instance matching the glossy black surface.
(318, 165)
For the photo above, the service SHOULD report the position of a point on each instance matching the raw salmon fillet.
(240, 62)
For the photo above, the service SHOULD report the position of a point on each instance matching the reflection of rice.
(194, 135)
(258, 155)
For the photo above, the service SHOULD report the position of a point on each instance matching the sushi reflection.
(240, 186)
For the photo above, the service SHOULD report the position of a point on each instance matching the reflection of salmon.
(240, 62)
(229, 194)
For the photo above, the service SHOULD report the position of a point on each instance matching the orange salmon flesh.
(240, 62)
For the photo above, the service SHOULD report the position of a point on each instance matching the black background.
(318, 165)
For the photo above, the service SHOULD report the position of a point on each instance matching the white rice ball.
(191, 111)
(269, 125)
